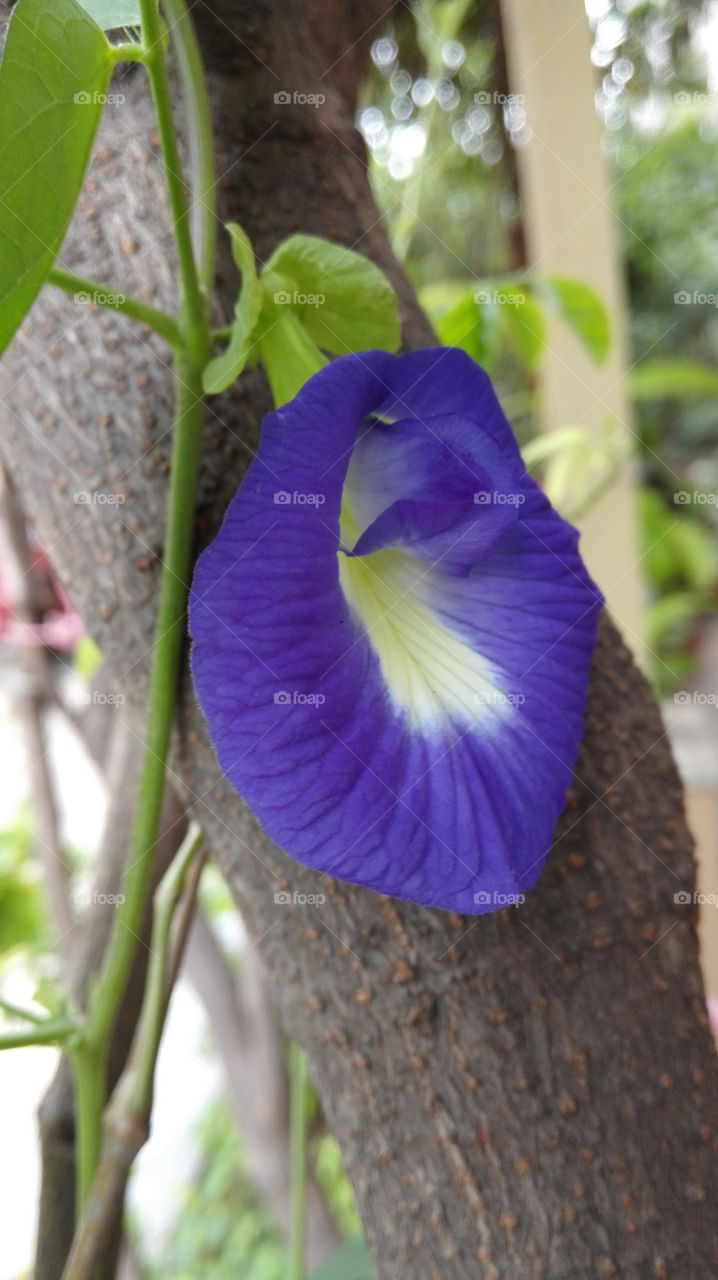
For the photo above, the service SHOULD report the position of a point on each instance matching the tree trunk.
(523, 1095)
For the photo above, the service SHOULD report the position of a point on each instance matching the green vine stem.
(50, 1032)
(18, 1011)
(90, 1055)
(299, 1119)
(104, 296)
(194, 309)
(201, 140)
(126, 1124)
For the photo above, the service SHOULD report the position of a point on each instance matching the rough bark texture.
(527, 1095)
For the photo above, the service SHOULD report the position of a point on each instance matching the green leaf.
(460, 319)
(578, 464)
(228, 366)
(581, 309)
(53, 79)
(344, 301)
(350, 1262)
(20, 889)
(112, 14)
(523, 322)
(672, 616)
(655, 379)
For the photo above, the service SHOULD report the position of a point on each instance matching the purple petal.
(405, 716)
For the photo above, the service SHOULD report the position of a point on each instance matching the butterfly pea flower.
(392, 635)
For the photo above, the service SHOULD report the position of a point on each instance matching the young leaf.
(344, 301)
(463, 317)
(112, 14)
(582, 310)
(654, 379)
(228, 366)
(523, 321)
(53, 78)
(350, 1262)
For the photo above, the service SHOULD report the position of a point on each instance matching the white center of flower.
(430, 672)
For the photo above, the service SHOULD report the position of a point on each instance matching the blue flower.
(392, 635)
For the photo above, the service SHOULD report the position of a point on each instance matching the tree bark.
(528, 1095)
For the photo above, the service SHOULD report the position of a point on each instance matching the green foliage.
(680, 550)
(582, 310)
(681, 560)
(54, 74)
(110, 15)
(509, 313)
(21, 911)
(228, 366)
(344, 301)
(577, 464)
(332, 1178)
(222, 1230)
(311, 294)
(351, 1262)
(672, 379)
(86, 657)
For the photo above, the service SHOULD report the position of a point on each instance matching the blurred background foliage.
(442, 131)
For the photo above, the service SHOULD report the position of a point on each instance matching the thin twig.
(126, 1121)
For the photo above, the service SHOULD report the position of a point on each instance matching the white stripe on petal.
(431, 674)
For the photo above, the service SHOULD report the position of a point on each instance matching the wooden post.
(570, 230)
